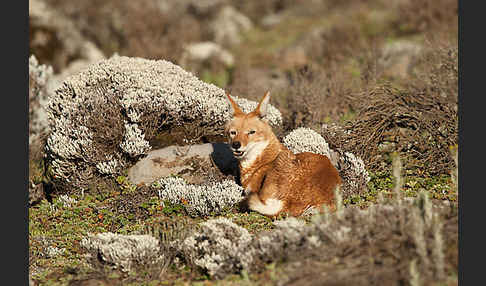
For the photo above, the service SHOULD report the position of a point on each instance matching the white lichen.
(357, 164)
(134, 142)
(49, 250)
(108, 167)
(353, 174)
(53, 251)
(306, 140)
(199, 200)
(41, 72)
(123, 251)
(69, 143)
(67, 201)
(220, 247)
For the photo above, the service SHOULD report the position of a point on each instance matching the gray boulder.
(123, 251)
(194, 163)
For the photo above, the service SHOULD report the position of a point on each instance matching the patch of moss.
(252, 221)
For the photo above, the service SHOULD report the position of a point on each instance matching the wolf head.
(249, 133)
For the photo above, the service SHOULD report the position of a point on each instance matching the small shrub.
(413, 122)
(352, 169)
(315, 95)
(306, 140)
(219, 248)
(123, 251)
(199, 200)
(387, 236)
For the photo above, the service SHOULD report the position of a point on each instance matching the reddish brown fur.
(299, 180)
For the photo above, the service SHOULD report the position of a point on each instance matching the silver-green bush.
(123, 251)
(199, 200)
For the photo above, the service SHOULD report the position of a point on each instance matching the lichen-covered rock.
(102, 118)
(200, 200)
(195, 163)
(123, 251)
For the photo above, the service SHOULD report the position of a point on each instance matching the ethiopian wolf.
(275, 179)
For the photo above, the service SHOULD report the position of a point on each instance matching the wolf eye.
(232, 132)
(251, 132)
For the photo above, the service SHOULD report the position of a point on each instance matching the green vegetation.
(439, 187)
(220, 79)
(61, 224)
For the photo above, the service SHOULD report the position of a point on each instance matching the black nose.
(236, 145)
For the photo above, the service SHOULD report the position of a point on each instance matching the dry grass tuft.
(412, 122)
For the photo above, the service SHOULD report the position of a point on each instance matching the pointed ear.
(261, 109)
(235, 110)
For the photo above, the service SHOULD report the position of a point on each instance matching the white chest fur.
(254, 150)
